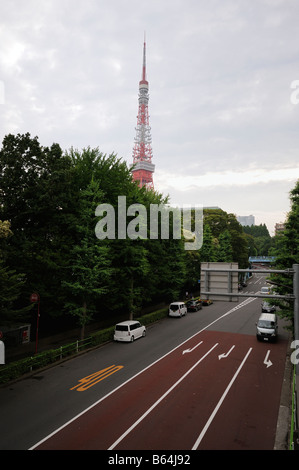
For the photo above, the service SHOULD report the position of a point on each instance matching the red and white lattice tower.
(142, 152)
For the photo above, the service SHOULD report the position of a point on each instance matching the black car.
(268, 308)
(206, 302)
(193, 305)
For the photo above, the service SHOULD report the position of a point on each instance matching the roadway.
(197, 382)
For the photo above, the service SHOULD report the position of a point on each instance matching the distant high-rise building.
(246, 219)
(279, 228)
(142, 152)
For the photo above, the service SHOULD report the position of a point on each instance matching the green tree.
(89, 266)
(257, 230)
(286, 251)
(142, 269)
(252, 249)
(259, 239)
(225, 252)
(219, 221)
(38, 198)
(238, 242)
(192, 263)
(11, 283)
(208, 249)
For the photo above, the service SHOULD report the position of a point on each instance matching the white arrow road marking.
(191, 349)
(267, 362)
(226, 354)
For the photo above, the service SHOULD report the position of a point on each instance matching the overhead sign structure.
(219, 281)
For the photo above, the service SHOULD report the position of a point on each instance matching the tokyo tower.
(142, 152)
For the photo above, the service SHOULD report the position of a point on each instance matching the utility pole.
(296, 310)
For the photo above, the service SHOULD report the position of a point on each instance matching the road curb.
(285, 408)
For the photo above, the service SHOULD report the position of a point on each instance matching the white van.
(266, 327)
(177, 309)
(128, 331)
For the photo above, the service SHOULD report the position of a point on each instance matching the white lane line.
(160, 399)
(212, 416)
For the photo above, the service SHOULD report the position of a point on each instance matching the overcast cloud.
(224, 127)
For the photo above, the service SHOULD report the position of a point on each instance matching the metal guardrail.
(42, 359)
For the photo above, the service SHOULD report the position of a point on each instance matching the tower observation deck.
(143, 168)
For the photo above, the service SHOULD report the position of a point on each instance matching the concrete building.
(279, 228)
(246, 219)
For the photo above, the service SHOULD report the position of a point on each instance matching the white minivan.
(129, 330)
(177, 309)
(266, 327)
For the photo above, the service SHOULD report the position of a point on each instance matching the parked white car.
(129, 331)
(177, 309)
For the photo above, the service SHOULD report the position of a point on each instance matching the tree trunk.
(83, 321)
(131, 300)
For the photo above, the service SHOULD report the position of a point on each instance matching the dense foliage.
(258, 239)
(286, 251)
(48, 201)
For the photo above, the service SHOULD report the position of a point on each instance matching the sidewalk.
(14, 353)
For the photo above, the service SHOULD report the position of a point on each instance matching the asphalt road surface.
(198, 382)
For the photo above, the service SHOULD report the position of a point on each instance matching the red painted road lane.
(176, 422)
(252, 406)
(247, 417)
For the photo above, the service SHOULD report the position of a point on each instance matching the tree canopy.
(48, 208)
(286, 251)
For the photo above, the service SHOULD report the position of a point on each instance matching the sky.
(223, 91)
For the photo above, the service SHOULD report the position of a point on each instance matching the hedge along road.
(217, 390)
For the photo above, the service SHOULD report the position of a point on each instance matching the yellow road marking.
(96, 377)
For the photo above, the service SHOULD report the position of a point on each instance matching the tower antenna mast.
(143, 168)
